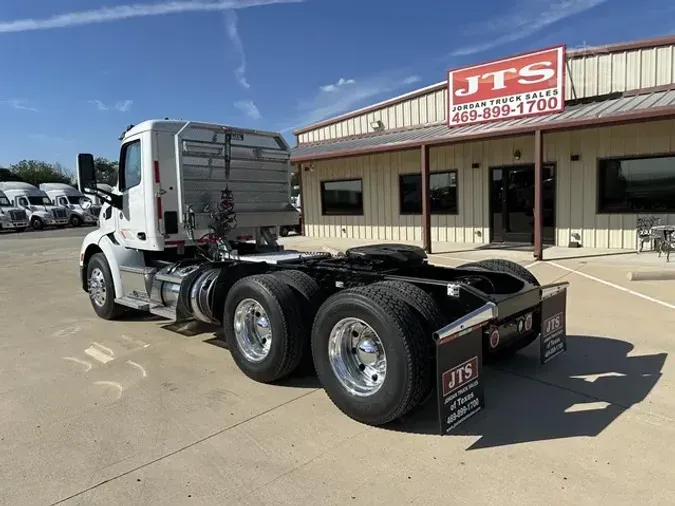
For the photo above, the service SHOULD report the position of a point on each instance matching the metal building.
(397, 171)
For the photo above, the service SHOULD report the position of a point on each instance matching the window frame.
(431, 211)
(600, 187)
(323, 203)
(121, 174)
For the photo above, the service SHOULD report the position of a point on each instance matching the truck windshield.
(39, 201)
(74, 200)
(4, 202)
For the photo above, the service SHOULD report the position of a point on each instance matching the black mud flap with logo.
(553, 336)
(459, 368)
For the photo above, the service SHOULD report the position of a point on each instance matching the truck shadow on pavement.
(579, 393)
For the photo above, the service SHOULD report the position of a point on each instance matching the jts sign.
(519, 86)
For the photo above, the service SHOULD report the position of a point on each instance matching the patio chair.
(645, 234)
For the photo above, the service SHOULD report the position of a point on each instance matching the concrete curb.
(651, 275)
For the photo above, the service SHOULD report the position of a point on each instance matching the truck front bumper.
(460, 346)
(11, 225)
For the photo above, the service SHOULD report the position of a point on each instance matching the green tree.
(37, 172)
(106, 170)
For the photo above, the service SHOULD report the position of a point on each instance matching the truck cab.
(64, 195)
(11, 217)
(39, 209)
(173, 176)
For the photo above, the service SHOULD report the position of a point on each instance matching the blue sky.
(78, 71)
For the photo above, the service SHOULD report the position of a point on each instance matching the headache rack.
(254, 165)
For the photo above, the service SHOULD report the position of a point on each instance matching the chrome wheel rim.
(252, 330)
(357, 357)
(97, 288)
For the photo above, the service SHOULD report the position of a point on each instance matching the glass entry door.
(512, 204)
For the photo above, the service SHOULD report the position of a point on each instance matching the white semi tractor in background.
(189, 233)
(11, 217)
(65, 195)
(37, 205)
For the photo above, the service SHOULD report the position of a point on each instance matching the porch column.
(538, 195)
(302, 197)
(426, 199)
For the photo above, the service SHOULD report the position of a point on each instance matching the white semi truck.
(40, 210)
(65, 195)
(11, 217)
(189, 234)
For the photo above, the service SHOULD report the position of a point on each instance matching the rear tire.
(101, 288)
(311, 296)
(428, 315)
(506, 266)
(264, 328)
(391, 332)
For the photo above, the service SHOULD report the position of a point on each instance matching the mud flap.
(459, 368)
(553, 334)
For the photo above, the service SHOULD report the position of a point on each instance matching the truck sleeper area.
(380, 326)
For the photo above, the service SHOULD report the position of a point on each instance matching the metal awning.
(625, 109)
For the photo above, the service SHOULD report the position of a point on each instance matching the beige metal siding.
(587, 76)
(576, 182)
(576, 187)
(382, 219)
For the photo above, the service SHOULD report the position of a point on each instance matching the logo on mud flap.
(460, 376)
(494, 338)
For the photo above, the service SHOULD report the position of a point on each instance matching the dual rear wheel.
(371, 346)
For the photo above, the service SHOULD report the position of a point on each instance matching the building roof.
(623, 109)
(571, 53)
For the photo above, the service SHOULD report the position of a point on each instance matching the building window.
(636, 185)
(442, 189)
(342, 197)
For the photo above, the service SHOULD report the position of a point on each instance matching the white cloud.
(527, 18)
(412, 79)
(334, 87)
(99, 105)
(19, 104)
(121, 106)
(232, 30)
(122, 12)
(346, 95)
(124, 105)
(249, 108)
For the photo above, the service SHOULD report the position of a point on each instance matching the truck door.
(62, 201)
(131, 227)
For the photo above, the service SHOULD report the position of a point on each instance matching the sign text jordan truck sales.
(516, 87)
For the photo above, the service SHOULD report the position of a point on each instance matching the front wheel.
(370, 355)
(36, 223)
(283, 231)
(75, 221)
(102, 289)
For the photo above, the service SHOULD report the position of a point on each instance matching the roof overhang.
(622, 110)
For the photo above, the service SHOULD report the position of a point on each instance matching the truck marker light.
(494, 338)
(156, 167)
(528, 322)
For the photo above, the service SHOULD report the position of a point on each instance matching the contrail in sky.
(122, 12)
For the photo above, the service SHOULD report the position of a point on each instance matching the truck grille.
(17, 215)
(58, 213)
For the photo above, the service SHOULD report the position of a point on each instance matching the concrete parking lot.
(130, 412)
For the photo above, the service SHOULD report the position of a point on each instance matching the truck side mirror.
(86, 172)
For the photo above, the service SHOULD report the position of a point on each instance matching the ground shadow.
(580, 393)
(303, 377)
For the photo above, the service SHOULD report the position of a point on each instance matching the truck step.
(164, 312)
(134, 300)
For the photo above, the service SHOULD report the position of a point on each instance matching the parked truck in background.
(189, 234)
(40, 210)
(65, 195)
(11, 217)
